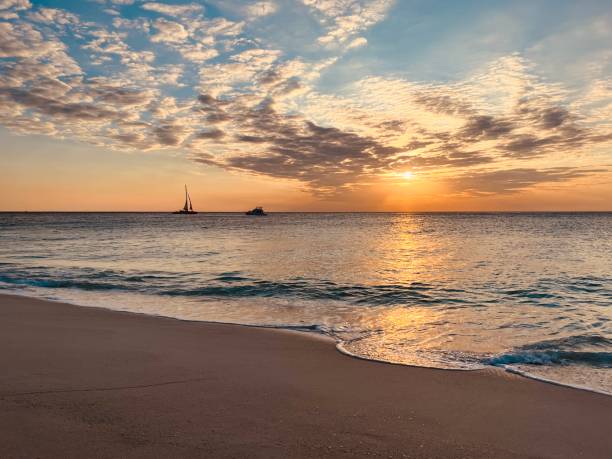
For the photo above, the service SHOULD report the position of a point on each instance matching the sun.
(407, 175)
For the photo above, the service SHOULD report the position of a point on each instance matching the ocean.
(527, 292)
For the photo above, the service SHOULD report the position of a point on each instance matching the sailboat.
(187, 208)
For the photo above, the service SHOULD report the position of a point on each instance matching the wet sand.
(87, 382)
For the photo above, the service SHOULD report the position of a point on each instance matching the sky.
(306, 105)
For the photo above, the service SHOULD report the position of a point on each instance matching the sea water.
(531, 293)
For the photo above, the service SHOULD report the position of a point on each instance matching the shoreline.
(111, 383)
(338, 344)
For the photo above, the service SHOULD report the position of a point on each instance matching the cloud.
(24, 42)
(262, 8)
(515, 180)
(198, 53)
(357, 43)
(21, 40)
(221, 26)
(172, 10)
(486, 127)
(9, 8)
(15, 4)
(169, 31)
(213, 108)
(343, 19)
(55, 107)
(240, 69)
(170, 134)
(53, 16)
(138, 24)
(196, 39)
(295, 148)
(121, 96)
(212, 133)
(459, 159)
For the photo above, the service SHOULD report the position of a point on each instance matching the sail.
(188, 207)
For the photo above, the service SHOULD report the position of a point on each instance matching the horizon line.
(308, 211)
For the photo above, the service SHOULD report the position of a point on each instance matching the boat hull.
(185, 212)
(257, 211)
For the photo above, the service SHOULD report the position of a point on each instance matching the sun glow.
(407, 175)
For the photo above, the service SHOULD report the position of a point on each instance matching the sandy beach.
(87, 382)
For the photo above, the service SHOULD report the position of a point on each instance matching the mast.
(190, 206)
(185, 208)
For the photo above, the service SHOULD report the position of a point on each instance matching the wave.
(59, 284)
(313, 290)
(598, 359)
(591, 350)
(235, 285)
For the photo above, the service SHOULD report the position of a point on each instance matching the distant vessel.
(257, 211)
(187, 208)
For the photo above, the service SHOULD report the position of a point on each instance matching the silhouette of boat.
(257, 211)
(187, 208)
